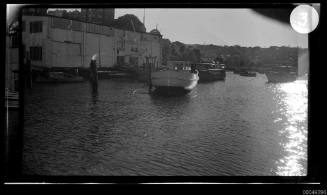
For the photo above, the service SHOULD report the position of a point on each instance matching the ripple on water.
(237, 127)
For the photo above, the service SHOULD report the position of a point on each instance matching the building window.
(36, 53)
(23, 26)
(134, 49)
(134, 61)
(36, 27)
(120, 60)
(14, 41)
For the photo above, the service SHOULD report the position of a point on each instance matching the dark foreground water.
(241, 126)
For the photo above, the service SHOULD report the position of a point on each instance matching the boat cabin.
(179, 65)
(207, 65)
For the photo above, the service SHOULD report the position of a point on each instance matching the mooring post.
(149, 70)
(93, 74)
(28, 74)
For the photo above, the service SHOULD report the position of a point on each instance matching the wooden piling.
(149, 69)
(93, 74)
(150, 81)
(28, 74)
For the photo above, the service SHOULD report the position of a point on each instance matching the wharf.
(11, 100)
(13, 135)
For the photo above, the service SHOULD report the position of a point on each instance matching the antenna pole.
(144, 17)
(133, 25)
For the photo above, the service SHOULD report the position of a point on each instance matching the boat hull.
(280, 77)
(248, 74)
(211, 75)
(168, 80)
(237, 71)
(60, 77)
(171, 91)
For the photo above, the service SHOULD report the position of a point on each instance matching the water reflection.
(94, 93)
(237, 127)
(170, 107)
(294, 103)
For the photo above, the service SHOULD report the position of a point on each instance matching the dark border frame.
(315, 162)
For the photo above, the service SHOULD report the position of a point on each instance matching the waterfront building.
(52, 41)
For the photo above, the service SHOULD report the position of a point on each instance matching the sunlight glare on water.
(296, 106)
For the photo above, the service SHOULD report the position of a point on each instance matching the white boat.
(303, 65)
(172, 81)
(211, 72)
(283, 74)
(280, 76)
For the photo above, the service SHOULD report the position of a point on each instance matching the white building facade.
(50, 41)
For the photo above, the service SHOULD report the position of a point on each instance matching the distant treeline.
(232, 56)
(128, 22)
(178, 51)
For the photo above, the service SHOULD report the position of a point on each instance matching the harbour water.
(242, 126)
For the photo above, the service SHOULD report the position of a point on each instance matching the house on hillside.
(207, 59)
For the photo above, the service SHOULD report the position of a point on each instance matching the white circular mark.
(304, 19)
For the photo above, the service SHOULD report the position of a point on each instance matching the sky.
(218, 26)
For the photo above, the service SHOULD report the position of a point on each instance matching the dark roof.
(155, 32)
(111, 26)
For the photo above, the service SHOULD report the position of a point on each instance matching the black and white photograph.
(113, 91)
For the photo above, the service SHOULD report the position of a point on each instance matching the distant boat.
(238, 71)
(280, 77)
(174, 81)
(261, 71)
(59, 77)
(211, 72)
(281, 74)
(108, 74)
(248, 74)
(303, 65)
